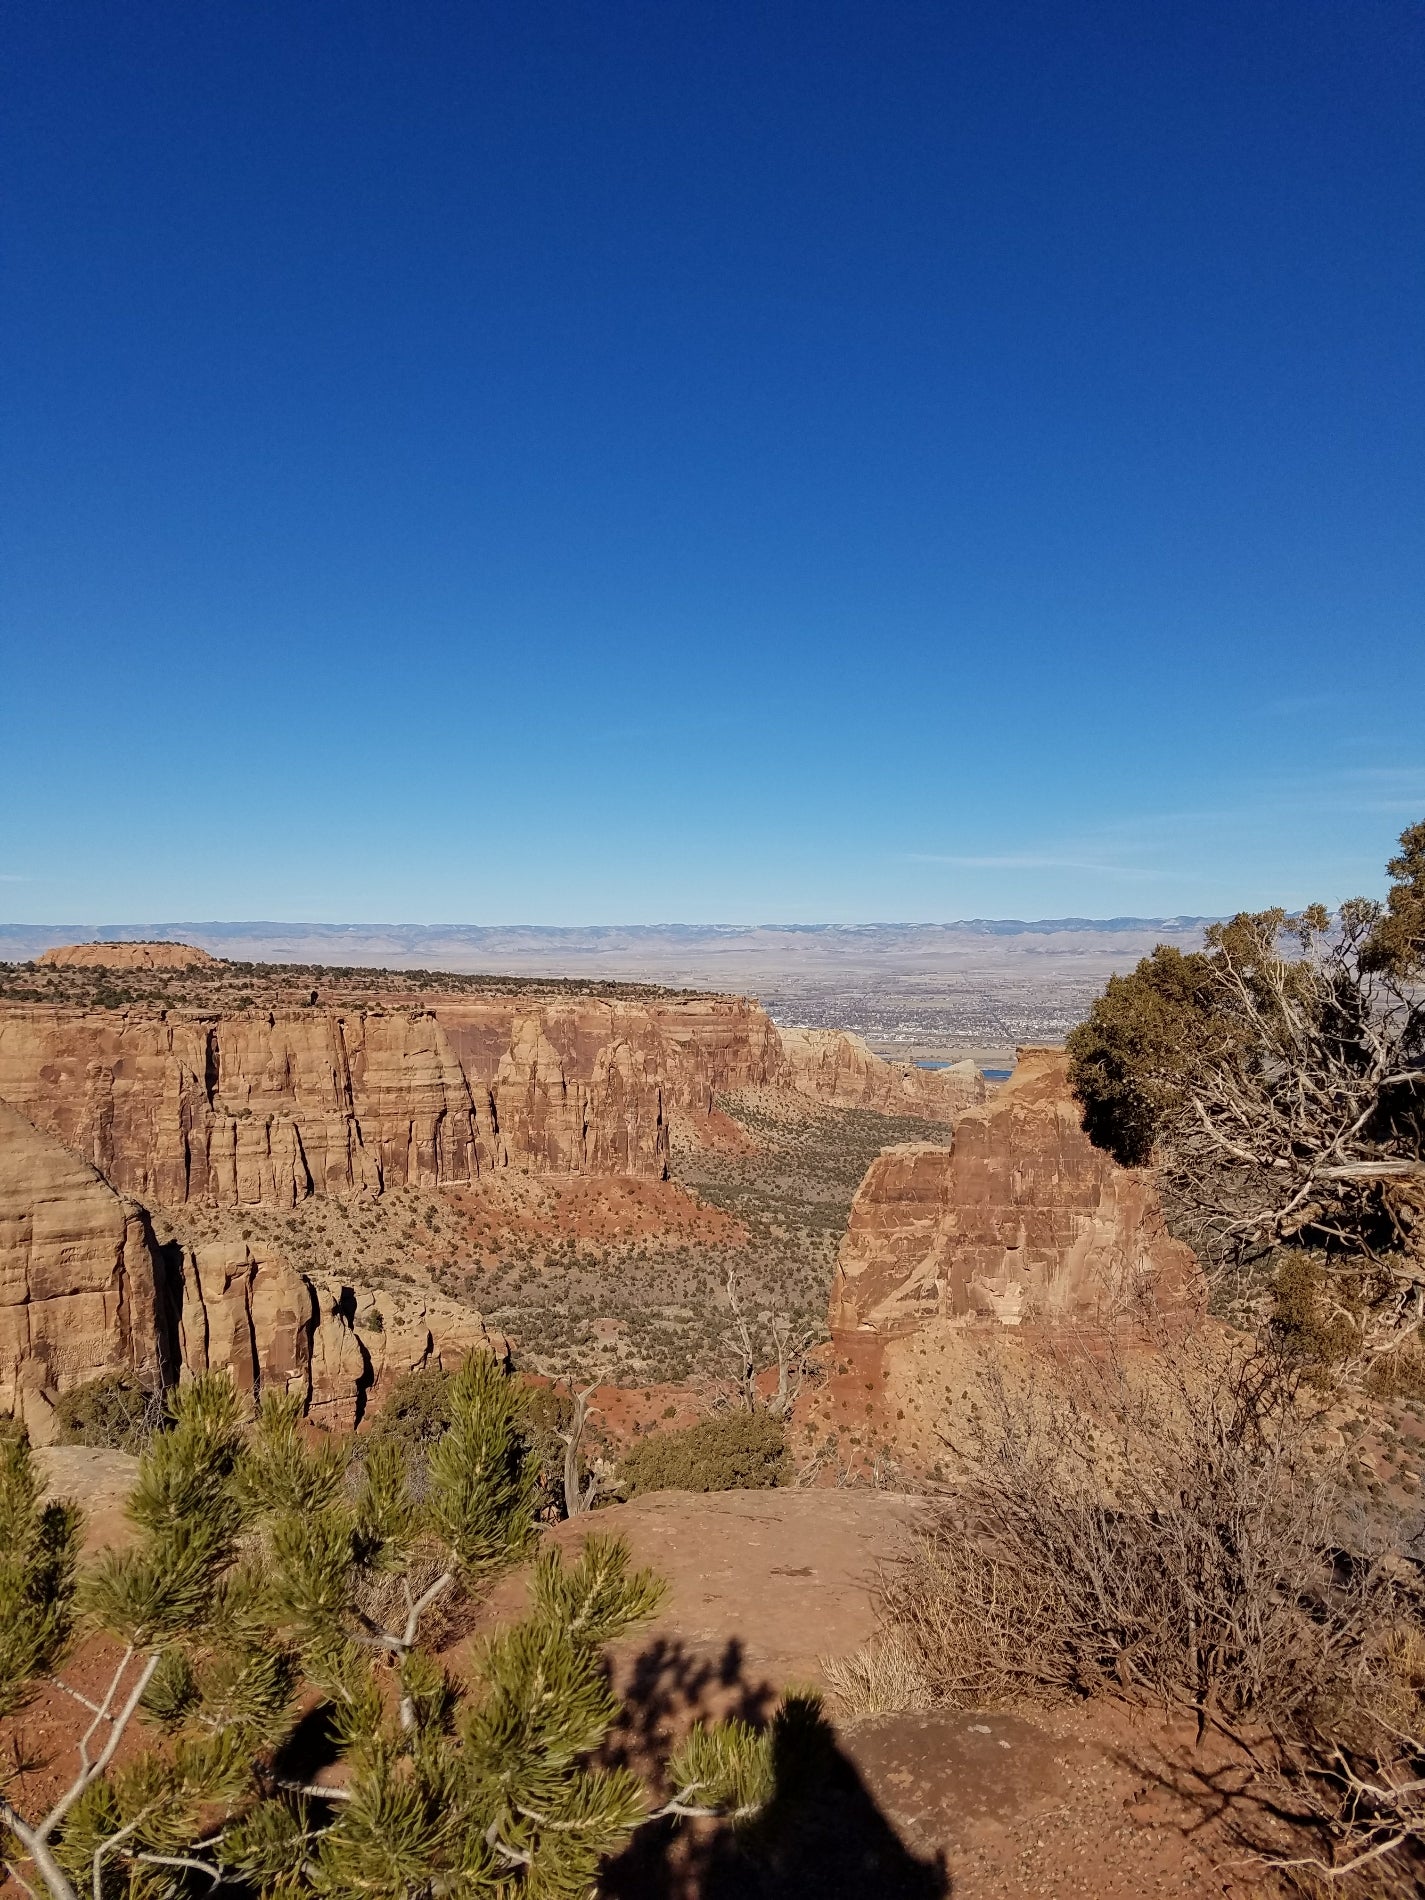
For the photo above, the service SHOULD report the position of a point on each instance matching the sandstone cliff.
(834, 1066)
(79, 1276)
(267, 1106)
(1021, 1222)
(274, 1328)
(85, 1289)
(258, 1108)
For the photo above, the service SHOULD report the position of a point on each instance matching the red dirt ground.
(992, 1805)
(594, 1210)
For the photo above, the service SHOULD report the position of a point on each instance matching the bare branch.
(90, 1771)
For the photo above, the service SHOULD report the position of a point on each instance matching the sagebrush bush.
(731, 1451)
(1310, 1322)
(116, 1412)
(1400, 1374)
(1178, 1544)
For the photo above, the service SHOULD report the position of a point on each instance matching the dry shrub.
(119, 1411)
(881, 1678)
(1181, 1543)
(1400, 1373)
(1358, 1770)
(1175, 1542)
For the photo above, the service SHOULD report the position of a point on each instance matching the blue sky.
(587, 463)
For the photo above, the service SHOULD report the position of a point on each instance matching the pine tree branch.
(214, 1873)
(83, 1700)
(106, 1847)
(117, 1724)
(101, 1713)
(422, 1604)
(313, 1789)
(13, 1871)
(38, 1850)
(511, 1855)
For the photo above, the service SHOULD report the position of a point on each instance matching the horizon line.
(87, 931)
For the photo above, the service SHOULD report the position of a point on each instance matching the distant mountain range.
(473, 946)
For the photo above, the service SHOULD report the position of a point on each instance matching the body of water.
(990, 1075)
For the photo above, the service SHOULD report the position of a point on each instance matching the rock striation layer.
(85, 1289)
(264, 1107)
(1021, 1223)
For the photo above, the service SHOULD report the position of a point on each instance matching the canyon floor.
(614, 1279)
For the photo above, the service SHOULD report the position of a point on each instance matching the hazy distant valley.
(928, 990)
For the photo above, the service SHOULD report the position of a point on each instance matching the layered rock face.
(127, 956)
(258, 1108)
(248, 1311)
(834, 1066)
(85, 1289)
(265, 1107)
(79, 1276)
(1022, 1222)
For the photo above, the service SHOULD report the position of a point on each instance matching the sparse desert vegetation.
(605, 1277)
(653, 1308)
(1180, 1539)
(228, 985)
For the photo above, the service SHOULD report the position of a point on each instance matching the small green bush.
(732, 1451)
(548, 1412)
(417, 1411)
(115, 1412)
(1305, 1324)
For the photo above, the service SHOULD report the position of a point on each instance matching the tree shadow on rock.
(821, 1837)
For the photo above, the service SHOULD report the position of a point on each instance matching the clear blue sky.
(632, 462)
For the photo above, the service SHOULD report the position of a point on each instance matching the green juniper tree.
(272, 1568)
(1277, 1081)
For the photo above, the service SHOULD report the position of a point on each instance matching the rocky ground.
(979, 1804)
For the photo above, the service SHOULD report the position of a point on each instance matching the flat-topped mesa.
(85, 1289)
(159, 955)
(1021, 1223)
(266, 1106)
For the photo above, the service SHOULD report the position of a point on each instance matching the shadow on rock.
(823, 1833)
